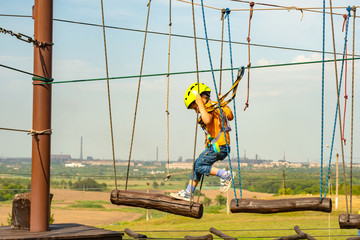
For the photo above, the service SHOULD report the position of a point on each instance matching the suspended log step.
(349, 221)
(157, 201)
(250, 205)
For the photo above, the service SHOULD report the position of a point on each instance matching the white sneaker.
(181, 195)
(225, 183)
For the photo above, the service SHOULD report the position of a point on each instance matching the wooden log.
(134, 234)
(300, 235)
(205, 237)
(349, 221)
(157, 201)
(221, 234)
(20, 216)
(250, 205)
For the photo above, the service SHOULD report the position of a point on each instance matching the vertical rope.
(137, 95)
(322, 102)
(222, 47)
(345, 82)
(167, 102)
(234, 103)
(338, 102)
(108, 93)
(338, 87)
(197, 115)
(249, 64)
(352, 107)
(217, 96)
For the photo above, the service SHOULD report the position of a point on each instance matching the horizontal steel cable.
(179, 35)
(191, 72)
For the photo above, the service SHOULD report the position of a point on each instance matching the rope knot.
(227, 12)
(33, 132)
(292, 8)
(252, 4)
(246, 106)
(345, 16)
(349, 9)
(249, 65)
(346, 97)
(248, 39)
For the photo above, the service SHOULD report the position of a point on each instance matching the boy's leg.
(190, 188)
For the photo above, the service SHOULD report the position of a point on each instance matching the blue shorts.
(207, 158)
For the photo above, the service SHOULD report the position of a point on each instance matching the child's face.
(194, 107)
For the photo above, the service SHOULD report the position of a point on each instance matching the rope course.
(225, 14)
(179, 35)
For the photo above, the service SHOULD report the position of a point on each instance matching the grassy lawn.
(253, 226)
(241, 225)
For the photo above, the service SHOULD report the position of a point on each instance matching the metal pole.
(147, 210)
(40, 168)
(337, 181)
(283, 175)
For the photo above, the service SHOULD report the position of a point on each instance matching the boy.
(197, 97)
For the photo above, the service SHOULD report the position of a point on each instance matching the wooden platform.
(61, 231)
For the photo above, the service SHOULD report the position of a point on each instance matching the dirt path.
(64, 197)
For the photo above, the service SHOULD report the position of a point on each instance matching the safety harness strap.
(214, 141)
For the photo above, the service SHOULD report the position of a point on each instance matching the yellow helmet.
(190, 94)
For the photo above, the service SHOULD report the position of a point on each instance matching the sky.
(284, 114)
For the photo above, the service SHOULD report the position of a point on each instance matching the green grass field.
(241, 225)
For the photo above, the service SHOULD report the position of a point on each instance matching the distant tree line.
(10, 187)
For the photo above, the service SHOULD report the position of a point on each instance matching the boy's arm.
(228, 113)
(205, 116)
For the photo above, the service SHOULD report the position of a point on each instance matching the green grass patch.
(250, 226)
(86, 205)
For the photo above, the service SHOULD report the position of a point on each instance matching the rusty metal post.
(40, 169)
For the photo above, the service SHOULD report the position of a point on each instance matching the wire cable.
(179, 35)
